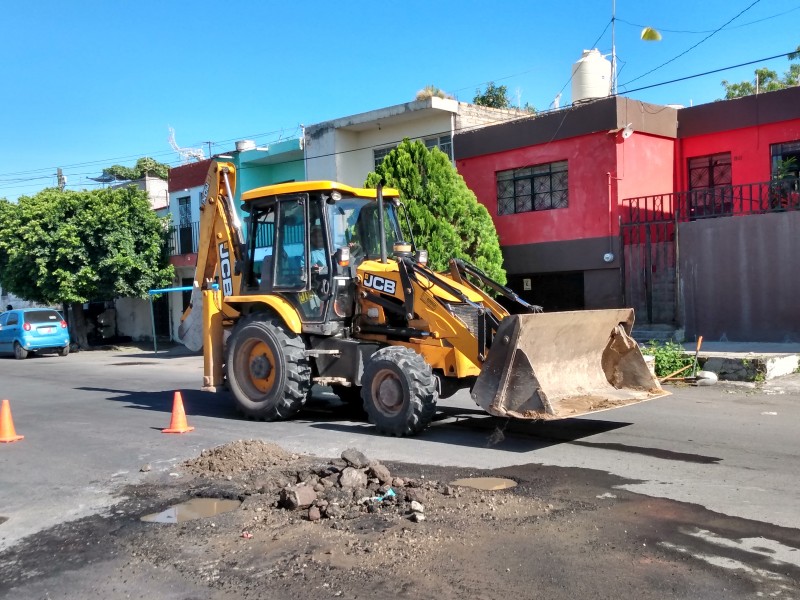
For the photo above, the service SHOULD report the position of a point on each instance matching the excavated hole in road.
(196, 508)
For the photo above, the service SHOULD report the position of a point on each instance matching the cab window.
(290, 247)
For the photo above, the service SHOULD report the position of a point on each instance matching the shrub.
(669, 356)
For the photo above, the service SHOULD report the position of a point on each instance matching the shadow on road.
(475, 429)
(452, 425)
(195, 402)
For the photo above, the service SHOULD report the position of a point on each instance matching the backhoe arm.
(219, 253)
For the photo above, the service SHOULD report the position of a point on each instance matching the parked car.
(25, 330)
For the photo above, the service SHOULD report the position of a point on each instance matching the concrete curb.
(751, 367)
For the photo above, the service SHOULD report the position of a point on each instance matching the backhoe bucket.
(564, 364)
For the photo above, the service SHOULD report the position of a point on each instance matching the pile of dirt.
(243, 456)
(269, 477)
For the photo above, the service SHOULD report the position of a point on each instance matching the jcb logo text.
(379, 283)
(225, 269)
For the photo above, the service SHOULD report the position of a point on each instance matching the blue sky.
(89, 84)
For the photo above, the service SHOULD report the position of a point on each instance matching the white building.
(349, 148)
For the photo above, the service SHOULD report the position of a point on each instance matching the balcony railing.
(720, 201)
(183, 239)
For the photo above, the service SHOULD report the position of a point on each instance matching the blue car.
(27, 330)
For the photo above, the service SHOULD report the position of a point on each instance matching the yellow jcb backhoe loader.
(325, 291)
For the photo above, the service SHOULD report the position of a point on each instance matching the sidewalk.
(747, 361)
(731, 361)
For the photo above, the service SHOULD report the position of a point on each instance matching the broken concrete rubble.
(298, 496)
(341, 488)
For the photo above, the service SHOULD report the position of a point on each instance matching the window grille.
(537, 188)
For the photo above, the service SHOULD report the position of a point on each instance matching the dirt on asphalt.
(351, 527)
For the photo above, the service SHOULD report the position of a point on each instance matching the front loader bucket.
(564, 364)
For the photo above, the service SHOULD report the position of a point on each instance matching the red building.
(587, 200)
(553, 183)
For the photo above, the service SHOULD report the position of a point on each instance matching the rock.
(145, 468)
(314, 514)
(333, 510)
(415, 495)
(397, 482)
(353, 479)
(298, 496)
(381, 473)
(336, 495)
(355, 458)
(417, 507)
(417, 517)
(446, 490)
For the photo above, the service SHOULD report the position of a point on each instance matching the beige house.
(348, 148)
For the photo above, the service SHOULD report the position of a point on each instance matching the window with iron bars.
(442, 142)
(380, 153)
(541, 187)
(710, 190)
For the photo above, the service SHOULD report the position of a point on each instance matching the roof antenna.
(186, 154)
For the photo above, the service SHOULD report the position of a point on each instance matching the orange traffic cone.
(178, 423)
(7, 432)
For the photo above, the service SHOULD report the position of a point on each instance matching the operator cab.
(305, 239)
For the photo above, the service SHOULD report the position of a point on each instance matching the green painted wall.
(279, 163)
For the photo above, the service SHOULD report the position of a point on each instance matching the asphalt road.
(92, 420)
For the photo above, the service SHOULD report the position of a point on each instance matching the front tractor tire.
(267, 369)
(399, 391)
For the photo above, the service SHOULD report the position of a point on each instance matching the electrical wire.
(8, 184)
(695, 46)
(786, 12)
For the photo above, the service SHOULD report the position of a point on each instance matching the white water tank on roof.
(591, 77)
(243, 145)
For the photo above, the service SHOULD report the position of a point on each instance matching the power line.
(786, 12)
(745, 64)
(109, 161)
(695, 46)
(566, 111)
(522, 116)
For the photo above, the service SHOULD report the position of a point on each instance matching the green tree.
(766, 80)
(144, 166)
(493, 96)
(74, 247)
(446, 218)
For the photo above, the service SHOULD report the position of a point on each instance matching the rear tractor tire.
(267, 369)
(399, 391)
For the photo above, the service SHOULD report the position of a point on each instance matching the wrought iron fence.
(720, 201)
(183, 238)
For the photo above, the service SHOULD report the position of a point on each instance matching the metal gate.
(649, 257)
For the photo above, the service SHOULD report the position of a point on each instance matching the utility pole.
(62, 180)
(613, 48)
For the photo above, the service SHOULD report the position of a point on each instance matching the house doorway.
(552, 291)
